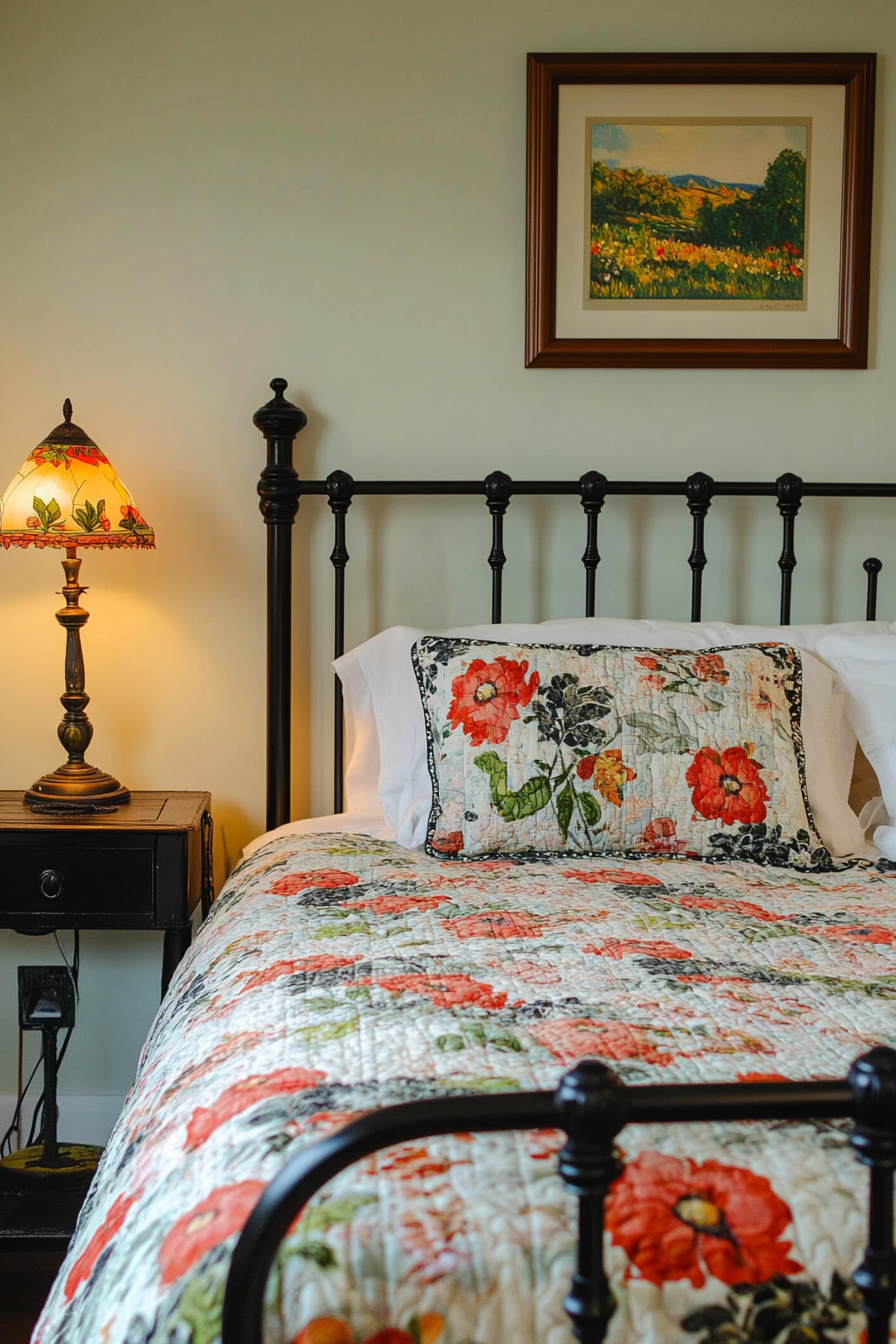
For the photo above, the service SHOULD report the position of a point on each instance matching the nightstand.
(145, 866)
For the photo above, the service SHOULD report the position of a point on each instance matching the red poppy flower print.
(574, 1038)
(495, 924)
(448, 842)
(747, 908)
(488, 696)
(857, 933)
(397, 905)
(445, 991)
(661, 835)
(321, 877)
(617, 948)
(710, 667)
(327, 1330)
(727, 787)
(412, 1163)
(672, 1218)
(608, 772)
(298, 966)
(83, 1267)
(650, 663)
(625, 877)
(214, 1220)
(240, 1096)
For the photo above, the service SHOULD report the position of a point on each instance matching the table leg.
(177, 940)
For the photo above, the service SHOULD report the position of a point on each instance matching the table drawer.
(62, 880)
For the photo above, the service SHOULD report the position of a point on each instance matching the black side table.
(145, 866)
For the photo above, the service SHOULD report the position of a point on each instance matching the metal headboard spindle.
(872, 567)
(699, 492)
(593, 489)
(339, 489)
(280, 490)
(498, 489)
(790, 497)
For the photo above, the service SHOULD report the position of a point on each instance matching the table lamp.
(68, 495)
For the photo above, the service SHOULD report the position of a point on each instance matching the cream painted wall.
(199, 195)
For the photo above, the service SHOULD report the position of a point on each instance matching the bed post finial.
(591, 1107)
(873, 1082)
(278, 490)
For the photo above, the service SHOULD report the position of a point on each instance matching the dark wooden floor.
(25, 1280)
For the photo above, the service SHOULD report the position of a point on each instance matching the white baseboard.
(81, 1119)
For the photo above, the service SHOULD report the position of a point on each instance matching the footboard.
(592, 1106)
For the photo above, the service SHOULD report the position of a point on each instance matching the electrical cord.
(36, 1135)
(7, 1137)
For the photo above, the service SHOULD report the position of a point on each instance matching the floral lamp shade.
(68, 494)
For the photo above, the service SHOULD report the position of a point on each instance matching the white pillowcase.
(867, 669)
(386, 738)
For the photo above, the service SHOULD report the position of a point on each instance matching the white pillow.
(867, 670)
(378, 680)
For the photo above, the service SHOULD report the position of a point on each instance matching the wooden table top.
(153, 809)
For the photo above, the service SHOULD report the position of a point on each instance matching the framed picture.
(699, 210)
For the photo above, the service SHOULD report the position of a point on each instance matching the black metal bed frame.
(591, 1105)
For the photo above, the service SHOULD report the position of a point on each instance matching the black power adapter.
(46, 998)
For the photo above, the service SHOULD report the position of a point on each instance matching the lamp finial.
(67, 411)
(278, 387)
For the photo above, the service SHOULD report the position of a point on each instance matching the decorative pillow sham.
(581, 749)
(386, 735)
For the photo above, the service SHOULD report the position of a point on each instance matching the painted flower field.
(634, 262)
(654, 237)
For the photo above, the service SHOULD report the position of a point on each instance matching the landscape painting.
(698, 212)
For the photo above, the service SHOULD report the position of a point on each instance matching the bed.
(429, 1017)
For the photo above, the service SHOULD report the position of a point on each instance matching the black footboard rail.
(592, 1105)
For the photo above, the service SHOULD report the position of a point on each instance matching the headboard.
(280, 490)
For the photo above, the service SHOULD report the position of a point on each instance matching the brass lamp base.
(77, 784)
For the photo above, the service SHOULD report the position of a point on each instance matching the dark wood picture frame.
(548, 71)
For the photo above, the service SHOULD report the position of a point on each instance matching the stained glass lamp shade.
(68, 495)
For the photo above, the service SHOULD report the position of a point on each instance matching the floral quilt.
(339, 973)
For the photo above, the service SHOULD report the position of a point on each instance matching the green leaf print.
(496, 769)
(199, 1306)
(341, 930)
(531, 798)
(665, 734)
(589, 808)
(451, 1041)
(91, 516)
(316, 1251)
(566, 803)
(47, 513)
(331, 1212)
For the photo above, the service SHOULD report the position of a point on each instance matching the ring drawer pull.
(51, 884)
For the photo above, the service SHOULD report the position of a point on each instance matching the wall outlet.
(46, 997)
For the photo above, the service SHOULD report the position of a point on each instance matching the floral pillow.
(559, 749)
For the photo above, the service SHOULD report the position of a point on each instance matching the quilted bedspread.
(339, 973)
